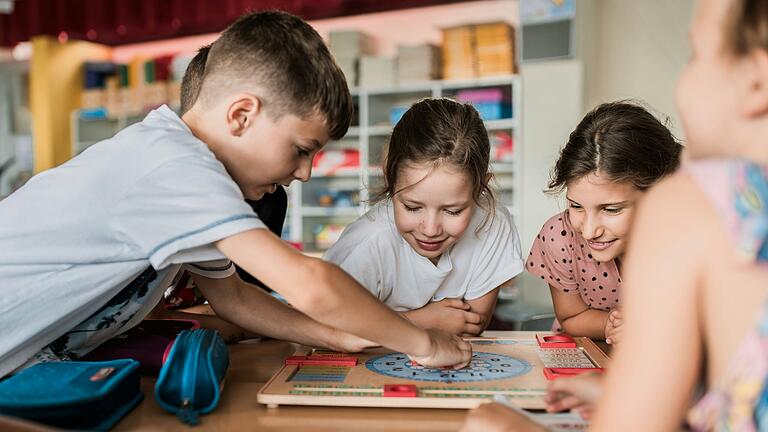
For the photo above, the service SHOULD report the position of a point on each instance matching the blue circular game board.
(484, 367)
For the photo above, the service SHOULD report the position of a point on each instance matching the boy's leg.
(271, 210)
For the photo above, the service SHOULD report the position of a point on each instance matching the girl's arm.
(576, 317)
(456, 316)
(485, 306)
(451, 315)
(329, 295)
(657, 366)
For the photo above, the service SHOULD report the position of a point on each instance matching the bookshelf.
(315, 220)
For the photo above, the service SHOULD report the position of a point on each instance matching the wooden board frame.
(363, 388)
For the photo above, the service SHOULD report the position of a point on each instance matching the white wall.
(552, 104)
(641, 47)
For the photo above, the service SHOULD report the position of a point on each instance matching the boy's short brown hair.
(288, 63)
(193, 78)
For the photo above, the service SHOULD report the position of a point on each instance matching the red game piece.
(400, 390)
(294, 360)
(555, 341)
(555, 373)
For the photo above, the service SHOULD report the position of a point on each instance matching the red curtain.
(115, 22)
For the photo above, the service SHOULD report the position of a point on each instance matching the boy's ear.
(242, 113)
(756, 101)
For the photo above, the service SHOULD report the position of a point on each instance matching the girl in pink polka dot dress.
(615, 153)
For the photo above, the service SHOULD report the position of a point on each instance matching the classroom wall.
(641, 47)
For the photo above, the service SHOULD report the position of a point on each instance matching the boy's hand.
(450, 315)
(579, 393)
(447, 351)
(613, 327)
(494, 417)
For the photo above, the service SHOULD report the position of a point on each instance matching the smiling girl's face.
(601, 211)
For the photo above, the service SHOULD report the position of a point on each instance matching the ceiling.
(117, 22)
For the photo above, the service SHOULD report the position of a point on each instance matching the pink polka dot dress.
(561, 257)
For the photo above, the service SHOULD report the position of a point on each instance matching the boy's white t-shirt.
(377, 256)
(74, 236)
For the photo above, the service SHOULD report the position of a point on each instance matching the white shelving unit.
(371, 131)
(88, 130)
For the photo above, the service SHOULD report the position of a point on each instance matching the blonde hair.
(746, 27)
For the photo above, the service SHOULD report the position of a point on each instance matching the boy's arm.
(328, 294)
(267, 316)
(576, 317)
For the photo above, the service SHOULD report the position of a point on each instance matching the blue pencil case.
(191, 379)
(73, 395)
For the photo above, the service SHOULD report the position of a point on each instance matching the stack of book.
(478, 50)
(416, 63)
(116, 90)
(347, 47)
(458, 53)
(377, 71)
(495, 48)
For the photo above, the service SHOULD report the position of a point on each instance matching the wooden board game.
(513, 366)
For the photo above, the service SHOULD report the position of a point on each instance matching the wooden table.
(251, 365)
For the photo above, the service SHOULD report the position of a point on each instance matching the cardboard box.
(417, 63)
(478, 50)
(377, 71)
(351, 44)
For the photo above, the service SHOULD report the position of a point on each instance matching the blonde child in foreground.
(697, 285)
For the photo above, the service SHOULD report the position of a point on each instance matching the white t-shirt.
(75, 236)
(377, 256)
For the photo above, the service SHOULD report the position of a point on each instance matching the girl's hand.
(450, 315)
(447, 351)
(578, 393)
(613, 327)
(494, 417)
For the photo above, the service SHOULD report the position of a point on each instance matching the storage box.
(416, 63)
(477, 50)
(93, 98)
(349, 68)
(491, 103)
(377, 71)
(495, 46)
(351, 44)
(458, 53)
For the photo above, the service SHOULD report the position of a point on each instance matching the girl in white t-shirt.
(435, 246)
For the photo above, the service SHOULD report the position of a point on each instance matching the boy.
(87, 248)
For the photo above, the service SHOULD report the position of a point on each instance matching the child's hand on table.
(450, 315)
(578, 393)
(495, 417)
(447, 350)
(613, 327)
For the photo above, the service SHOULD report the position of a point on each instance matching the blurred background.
(74, 72)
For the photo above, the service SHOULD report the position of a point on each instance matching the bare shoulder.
(676, 210)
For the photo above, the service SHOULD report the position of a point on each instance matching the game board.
(512, 365)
